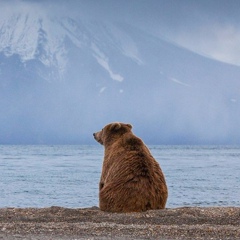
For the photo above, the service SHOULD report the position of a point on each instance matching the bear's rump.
(137, 194)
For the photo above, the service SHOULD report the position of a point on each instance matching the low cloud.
(215, 41)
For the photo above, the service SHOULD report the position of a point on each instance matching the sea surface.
(68, 176)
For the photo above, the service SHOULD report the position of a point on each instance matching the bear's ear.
(115, 126)
(129, 125)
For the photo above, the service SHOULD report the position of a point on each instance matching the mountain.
(63, 78)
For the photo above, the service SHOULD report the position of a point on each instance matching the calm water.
(68, 176)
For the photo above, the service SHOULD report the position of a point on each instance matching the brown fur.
(131, 180)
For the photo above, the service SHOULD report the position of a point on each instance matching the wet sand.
(91, 223)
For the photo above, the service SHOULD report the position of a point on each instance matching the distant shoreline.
(82, 223)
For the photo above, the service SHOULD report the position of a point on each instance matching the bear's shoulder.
(131, 142)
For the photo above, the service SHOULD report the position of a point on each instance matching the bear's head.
(111, 132)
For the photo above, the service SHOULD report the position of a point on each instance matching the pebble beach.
(91, 223)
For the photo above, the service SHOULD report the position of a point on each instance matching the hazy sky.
(208, 27)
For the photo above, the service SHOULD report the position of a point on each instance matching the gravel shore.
(91, 223)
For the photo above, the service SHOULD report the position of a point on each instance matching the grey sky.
(209, 27)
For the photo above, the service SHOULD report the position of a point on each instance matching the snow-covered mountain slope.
(34, 37)
(60, 78)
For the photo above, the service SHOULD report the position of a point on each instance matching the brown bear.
(131, 180)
